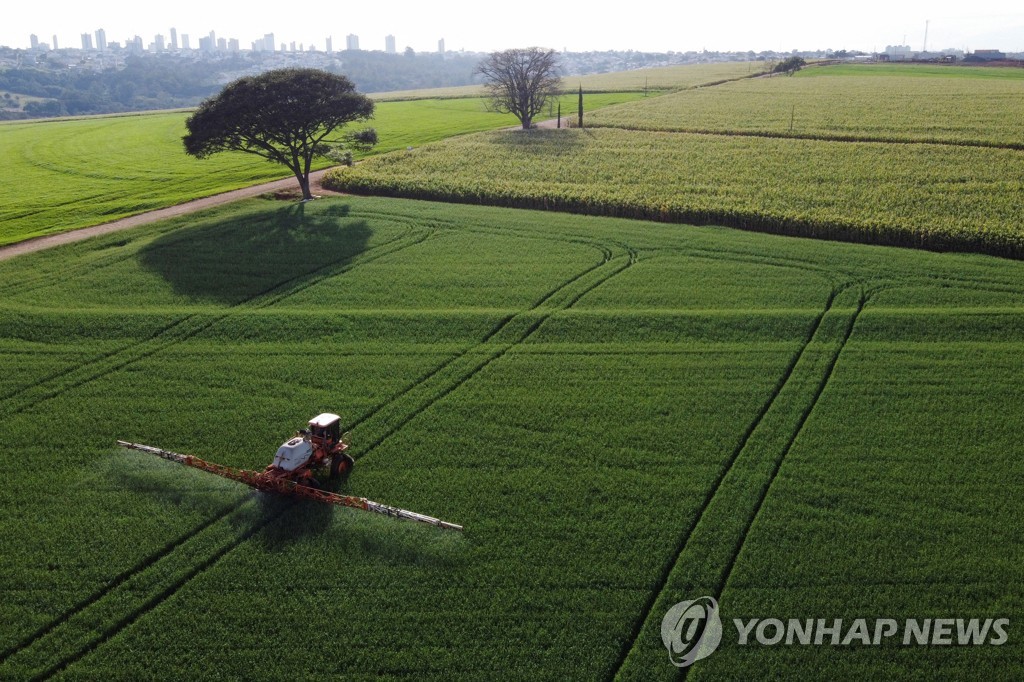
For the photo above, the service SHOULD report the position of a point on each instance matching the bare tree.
(520, 81)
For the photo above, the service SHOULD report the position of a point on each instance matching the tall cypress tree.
(580, 121)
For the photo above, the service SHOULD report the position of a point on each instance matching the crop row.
(854, 105)
(912, 195)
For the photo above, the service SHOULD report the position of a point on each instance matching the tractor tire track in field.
(446, 389)
(102, 616)
(186, 328)
(510, 332)
(502, 323)
(708, 548)
(822, 383)
(114, 583)
(166, 553)
(169, 550)
(170, 559)
(79, 633)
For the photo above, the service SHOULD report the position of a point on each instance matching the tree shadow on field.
(245, 256)
(544, 141)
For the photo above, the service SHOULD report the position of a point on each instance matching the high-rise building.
(158, 43)
(352, 42)
(233, 45)
(55, 46)
(330, 45)
(291, 48)
(184, 42)
(440, 46)
(208, 44)
(33, 40)
(389, 44)
(268, 43)
(101, 39)
(86, 41)
(222, 44)
(174, 38)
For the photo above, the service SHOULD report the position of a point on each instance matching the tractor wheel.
(311, 482)
(341, 466)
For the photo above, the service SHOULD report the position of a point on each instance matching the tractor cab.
(325, 430)
(322, 445)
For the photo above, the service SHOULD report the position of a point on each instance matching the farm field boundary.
(971, 107)
(77, 156)
(929, 196)
(894, 156)
(820, 137)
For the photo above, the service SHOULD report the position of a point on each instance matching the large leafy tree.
(288, 116)
(520, 81)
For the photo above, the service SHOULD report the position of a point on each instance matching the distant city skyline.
(869, 25)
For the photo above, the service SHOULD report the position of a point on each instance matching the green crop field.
(408, 123)
(624, 415)
(965, 105)
(928, 195)
(665, 77)
(725, 155)
(63, 175)
(636, 80)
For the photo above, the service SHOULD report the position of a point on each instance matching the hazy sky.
(577, 26)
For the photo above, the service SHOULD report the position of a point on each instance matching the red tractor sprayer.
(319, 449)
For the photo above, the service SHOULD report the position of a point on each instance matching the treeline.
(381, 72)
(145, 82)
(167, 81)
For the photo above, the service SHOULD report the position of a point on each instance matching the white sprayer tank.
(293, 454)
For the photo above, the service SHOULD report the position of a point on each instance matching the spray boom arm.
(261, 480)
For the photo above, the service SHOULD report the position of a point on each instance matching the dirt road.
(40, 243)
